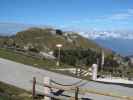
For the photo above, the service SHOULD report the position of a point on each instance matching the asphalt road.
(20, 76)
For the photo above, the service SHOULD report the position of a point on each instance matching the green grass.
(28, 60)
(13, 93)
(43, 64)
(4, 98)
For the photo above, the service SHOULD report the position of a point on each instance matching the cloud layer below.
(108, 34)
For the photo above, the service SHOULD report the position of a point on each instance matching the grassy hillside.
(28, 60)
(37, 39)
(46, 40)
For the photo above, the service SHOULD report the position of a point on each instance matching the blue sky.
(79, 14)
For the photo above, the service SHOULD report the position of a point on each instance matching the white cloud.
(112, 19)
(122, 16)
(108, 34)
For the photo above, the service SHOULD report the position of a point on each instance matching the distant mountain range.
(118, 40)
(122, 46)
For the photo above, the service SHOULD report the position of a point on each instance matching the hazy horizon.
(78, 15)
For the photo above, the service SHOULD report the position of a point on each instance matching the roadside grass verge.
(8, 92)
(35, 62)
(28, 60)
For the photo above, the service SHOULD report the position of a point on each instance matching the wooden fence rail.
(74, 89)
(47, 93)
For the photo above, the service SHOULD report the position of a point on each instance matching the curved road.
(20, 75)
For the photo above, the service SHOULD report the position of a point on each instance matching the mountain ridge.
(66, 38)
(46, 39)
(100, 37)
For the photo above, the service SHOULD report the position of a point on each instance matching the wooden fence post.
(34, 88)
(76, 93)
(47, 90)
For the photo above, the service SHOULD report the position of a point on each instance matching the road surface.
(20, 75)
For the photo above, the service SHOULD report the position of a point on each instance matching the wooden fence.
(47, 90)
(48, 95)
